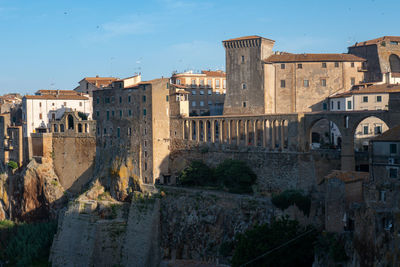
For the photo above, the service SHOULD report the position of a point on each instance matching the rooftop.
(373, 89)
(378, 40)
(287, 57)
(390, 135)
(251, 37)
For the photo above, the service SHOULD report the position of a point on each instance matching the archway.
(394, 61)
(325, 134)
(70, 122)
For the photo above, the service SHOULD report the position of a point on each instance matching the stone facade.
(263, 82)
(382, 55)
(207, 91)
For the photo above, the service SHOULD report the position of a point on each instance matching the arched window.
(394, 63)
(62, 128)
(79, 128)
(70, 122)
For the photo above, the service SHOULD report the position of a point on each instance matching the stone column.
(255, 134)
(237, 133)
(198, 131)
(229, 131)
(264, 134)
(212, 130)
(190, 130)
(221, 132)
(183, 129)
(205, 138)
(246, 132)
(273, 135)
(282, 123)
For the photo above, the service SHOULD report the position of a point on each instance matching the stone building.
(207, 91)
(89, 84)
(11, 144)
(133, 122)
(382, 58)
(261, 81)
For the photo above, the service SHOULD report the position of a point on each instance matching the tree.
(236, 175)
(197, 174)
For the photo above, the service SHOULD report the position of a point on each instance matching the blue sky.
(54, 44)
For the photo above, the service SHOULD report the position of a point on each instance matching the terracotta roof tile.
(396, 74)
(390, 135)
(214, 73)
(287, 57)
(373, 89)
(378, 40)
(61, 97)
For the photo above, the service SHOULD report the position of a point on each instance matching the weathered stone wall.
(276, 171)
(73, 158)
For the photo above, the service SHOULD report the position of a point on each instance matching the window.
(324, 106)
(178, 81)
(244, 104)
(352, 64)
(209, 103)
(129, 99)
(97, 113)
(348, 104)
(118, 132)
(108, 115)
(352, 81)
(393, 172)
(112, 113)
(202, 82)
(336, 64)
(193, 103)
(145, 143)
(244, 86)
(224, 84)
(144, 112)
(193, 92)
(365, 99)
(283, 66)
(332, 105)
(105, 130)
(299, 66)
(129, 131)
(144, 98)
(40, 104)
(217, 92)
(324, 65)
(378, 98)
(306, 83)
(378, 129)
(283, 83)
(201, 103)
(120, 99)
(53, 103)
(365, 129)
(97, 101)
(120, 113)
(112, 99)
(209, 83)
(107, 100)
(393, 148)
(394, 43)
(217, 83)
(193, 82)
(40, 116)
(145, 167)
(201, 92)
(167, 98)
(98, 130)
(130, 113)
(242, 59)
(323, 82)
(65, 104)
(209, 92)
(338, 105)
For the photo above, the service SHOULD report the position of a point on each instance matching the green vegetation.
(273, 239)
(82, 115)
(231, 175)
(292, 197)
(12, 164)
(331, 245)
(26, 244)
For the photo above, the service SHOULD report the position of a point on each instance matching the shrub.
(12, 164)
(331, 245)
(82, 115)
(236, 176)
(264, 238)
(292, 197)
(197, 174)
(29, 243)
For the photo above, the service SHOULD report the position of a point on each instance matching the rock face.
(37, 192)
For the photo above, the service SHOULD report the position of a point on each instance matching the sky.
(54, 44)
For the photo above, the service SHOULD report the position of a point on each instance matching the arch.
(70, 122)
(86, 128)
(193, 133)
(394, 61)
(79, 128)
(201, 131)
(365, 130)
(62, 128)
(324, 134)
(285, 137)
(55, 128)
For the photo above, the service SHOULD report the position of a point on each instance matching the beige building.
(206, 91)
(382, 58)
(89, 84)
(261, 81)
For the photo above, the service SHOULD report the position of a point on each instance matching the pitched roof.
(287, 57)
(251, 37)
(56, 92)
(378, 40)
(373, 89)
(214, 73)
(55, 97)
(390, 135)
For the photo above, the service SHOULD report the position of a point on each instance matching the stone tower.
(245, 74)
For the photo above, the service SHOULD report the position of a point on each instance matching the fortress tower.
(245, 74)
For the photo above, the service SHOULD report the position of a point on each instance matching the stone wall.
(276, 171)
(73, 159)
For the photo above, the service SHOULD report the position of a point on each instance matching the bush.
(333, 246)
(292, 197)
(197, 174)
(12, 164)
(236, 176)
(256, 242)
(82, 115)
(29, 243)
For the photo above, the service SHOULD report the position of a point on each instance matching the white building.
(38, 110)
